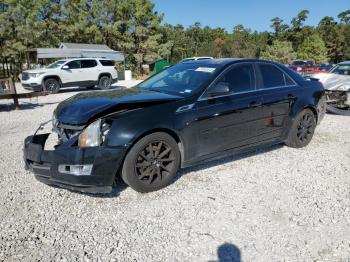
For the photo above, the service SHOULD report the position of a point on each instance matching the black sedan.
(191, 112)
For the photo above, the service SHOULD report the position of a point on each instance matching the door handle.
(255, 104)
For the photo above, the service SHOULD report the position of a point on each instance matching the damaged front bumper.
(90, 169)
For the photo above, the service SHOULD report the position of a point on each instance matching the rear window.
(88, 63)
(274, 77)
(107, 62)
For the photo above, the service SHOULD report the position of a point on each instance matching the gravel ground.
(280, 204)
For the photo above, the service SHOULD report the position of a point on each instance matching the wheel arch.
(104, 74)
(313, 109)
(168, 131)
(52, 76)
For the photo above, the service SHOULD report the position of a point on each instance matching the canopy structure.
(74, 50)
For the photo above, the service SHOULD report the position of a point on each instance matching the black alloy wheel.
(305, 127)
(152, 163)
(302, 129)
(155, 162)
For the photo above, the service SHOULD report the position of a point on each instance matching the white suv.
(82, 72)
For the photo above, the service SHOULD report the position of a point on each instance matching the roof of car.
(220, 61)
(344, 62)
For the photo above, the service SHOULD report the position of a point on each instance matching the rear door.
(229, 121)
(89, 72)
(279, 92)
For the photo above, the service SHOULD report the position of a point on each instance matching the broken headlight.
(94, 134)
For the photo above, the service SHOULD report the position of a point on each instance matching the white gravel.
(282, 204)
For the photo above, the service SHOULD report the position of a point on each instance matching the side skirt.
(232, 152)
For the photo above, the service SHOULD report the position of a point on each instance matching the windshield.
(181, 79)
(343, 69)
(56, 64)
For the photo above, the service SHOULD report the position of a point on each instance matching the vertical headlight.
(91, 135)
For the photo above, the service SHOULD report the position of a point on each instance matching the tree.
(345, 17)
(280, 51)
(333, 38)
(313, 48)
(278, 26)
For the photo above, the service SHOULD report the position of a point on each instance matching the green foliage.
(280, 51)
(313, 48)
(134, 27)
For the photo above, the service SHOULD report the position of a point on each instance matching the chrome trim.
(185, 108)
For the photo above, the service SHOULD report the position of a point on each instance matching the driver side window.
(238, 79)
(74, 64)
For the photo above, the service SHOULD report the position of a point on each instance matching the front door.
(232, 120)
(72, 75)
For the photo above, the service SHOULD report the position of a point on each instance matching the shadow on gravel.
(118, 187)
(221, 161)
(23, 106)
(228, 252)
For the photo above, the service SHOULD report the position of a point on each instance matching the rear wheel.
(302, 129)
(152, 163)
(52, 85)
(105, 82)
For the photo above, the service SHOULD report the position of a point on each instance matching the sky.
(253, 14)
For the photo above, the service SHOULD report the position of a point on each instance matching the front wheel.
(152, 163)
(52, 85)
(302, 129)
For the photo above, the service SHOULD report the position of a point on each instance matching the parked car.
(195, 58)
(337, 85)
(82, 72)
(303, 66)
(324, 67)
(188, 113)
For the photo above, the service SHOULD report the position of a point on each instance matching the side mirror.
(65, 67)
(221, 88)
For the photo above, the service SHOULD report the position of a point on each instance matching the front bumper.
(32, 86)
(45, 164)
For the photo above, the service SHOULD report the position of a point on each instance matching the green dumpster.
(158, 65)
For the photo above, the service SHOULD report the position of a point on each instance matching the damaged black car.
(191, 112)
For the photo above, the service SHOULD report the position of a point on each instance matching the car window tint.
(74, 64)
(88, 63)
(272, 76)
(107, 62)
(240, 78)
(288, 80)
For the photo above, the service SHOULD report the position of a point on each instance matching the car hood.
(332, 81)
(86, 106)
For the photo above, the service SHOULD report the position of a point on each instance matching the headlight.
(343, 88)
(94, 134)
(91, 135)
(35, 75)
(54, 120)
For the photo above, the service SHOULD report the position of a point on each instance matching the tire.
(104, 82)
(302, 129)
(337, 111)
(147, 170)
(52, 85)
